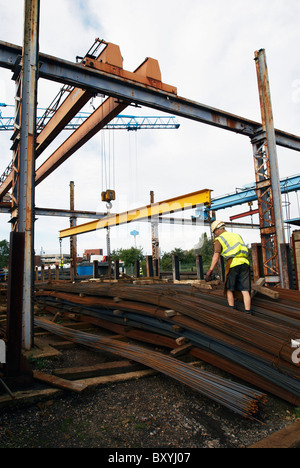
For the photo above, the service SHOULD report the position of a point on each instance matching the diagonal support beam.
(97, 120)
(110, 56)
(172, 205)
(106, 112)
(55, 69)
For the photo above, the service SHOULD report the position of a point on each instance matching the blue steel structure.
(246, 195)
(121, 122)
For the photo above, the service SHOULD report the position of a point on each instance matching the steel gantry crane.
(120, 122)
(101, 71)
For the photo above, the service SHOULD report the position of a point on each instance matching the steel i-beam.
(99, 81)
(267, 181)
(24, 160)
(151, 212)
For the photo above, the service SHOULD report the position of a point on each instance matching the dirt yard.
(149, 412)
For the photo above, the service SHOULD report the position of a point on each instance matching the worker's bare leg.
(230, 298)
(247, 300)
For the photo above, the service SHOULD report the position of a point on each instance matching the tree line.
(187, 258)
(4, 253)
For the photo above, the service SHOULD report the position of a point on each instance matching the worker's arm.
(214, 261)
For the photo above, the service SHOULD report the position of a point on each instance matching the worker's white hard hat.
(217, 225)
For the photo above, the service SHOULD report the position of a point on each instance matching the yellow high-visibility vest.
(233, 247)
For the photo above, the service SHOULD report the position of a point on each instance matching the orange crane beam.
(77, 98)
(109, 61)
(110, 56)
(106, 112)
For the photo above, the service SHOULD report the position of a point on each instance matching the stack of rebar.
(254, 348)
(239, 398)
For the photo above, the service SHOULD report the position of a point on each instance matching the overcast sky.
(206, 50)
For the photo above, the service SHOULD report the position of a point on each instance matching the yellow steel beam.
(184, 202)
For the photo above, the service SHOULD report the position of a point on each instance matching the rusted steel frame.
(109, 109)
(73, 239)
(95, 122)
(74, 102)
(266, 212)
(24, 159)
(270, 241)
(16, 367)
(239, 398)
(62, 71)
(77, 98)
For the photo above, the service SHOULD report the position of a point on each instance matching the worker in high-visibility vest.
(237, 270)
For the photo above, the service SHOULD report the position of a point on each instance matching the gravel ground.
(150, 412)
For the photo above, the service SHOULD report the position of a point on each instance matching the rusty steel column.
(73, 239)
(24, 137)
(154, 239)
(268, 182)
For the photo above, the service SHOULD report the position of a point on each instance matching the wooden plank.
(28, 397)
(107, 379)
(100, 369)
(288, 437)
(170, 313)
(41, 350)
(59, 382)
(181, 350)
(266, 291)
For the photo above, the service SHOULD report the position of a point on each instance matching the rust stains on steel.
(255, 348)
(239, 398)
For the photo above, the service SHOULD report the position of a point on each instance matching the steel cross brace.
(97, 81)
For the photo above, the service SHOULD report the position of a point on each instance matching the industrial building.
(185, 315)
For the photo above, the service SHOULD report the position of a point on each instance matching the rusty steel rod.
(239, 398)
(258, 347)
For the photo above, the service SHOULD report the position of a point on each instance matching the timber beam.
(125, 89)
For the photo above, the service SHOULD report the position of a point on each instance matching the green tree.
(128, 256)
(206, 248)
(166, 261)
(4, 253)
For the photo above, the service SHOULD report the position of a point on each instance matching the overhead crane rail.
(121, 122)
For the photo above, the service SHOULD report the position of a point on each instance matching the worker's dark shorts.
(238, 278)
